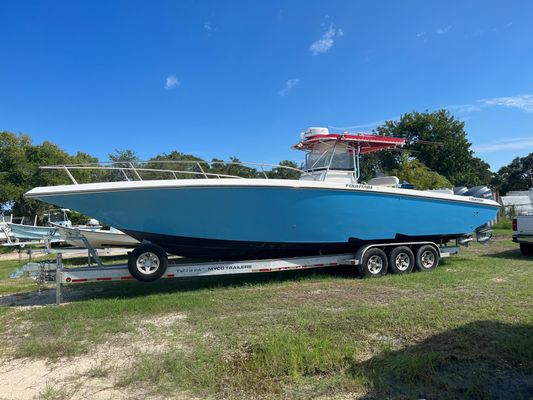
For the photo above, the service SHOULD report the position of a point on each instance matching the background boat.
(97, 239)
(29, 232)
(53, 219)
(5, 233)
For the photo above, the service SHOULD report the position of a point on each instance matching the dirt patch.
(92, 376)
(324, 294)
(496, 245)
(498, 280)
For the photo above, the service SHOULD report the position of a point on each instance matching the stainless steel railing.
(147, 170)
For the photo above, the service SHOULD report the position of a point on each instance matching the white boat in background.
(97, 239)
(26, 232)
(53, 219)
(5, 233)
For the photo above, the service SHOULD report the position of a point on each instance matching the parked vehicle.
(523, 233)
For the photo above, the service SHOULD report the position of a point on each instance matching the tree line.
(438, 154)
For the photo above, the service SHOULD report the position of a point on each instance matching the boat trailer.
(54, 271)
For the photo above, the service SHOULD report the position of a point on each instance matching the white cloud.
(420, 34)
(523, 102)
(207, 26)
(172, 82)
(326, 42)
(464, 108)
(443, 31)
(289, 85)
(507, 144)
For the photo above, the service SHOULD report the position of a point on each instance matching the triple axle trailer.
(148, 263)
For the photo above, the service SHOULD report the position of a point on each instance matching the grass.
(505, 223)
(462, 331)
(8, 285)
(502, 231)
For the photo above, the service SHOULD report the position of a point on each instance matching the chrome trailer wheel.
(427, 258)
(147, 262)
(374, 263)
(401, 260)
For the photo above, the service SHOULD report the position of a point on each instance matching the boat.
(26, 232)
(54, 218)
(5, 233)
(96, 239)
(327, 210)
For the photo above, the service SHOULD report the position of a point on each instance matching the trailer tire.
(401, 260)
(147, 262)
(374, 263)
(526, 249)
(427, 258)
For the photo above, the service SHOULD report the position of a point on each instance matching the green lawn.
(462, 331)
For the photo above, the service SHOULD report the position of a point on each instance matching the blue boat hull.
(240, 221)
(29, 232)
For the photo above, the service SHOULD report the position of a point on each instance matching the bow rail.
(169, 169)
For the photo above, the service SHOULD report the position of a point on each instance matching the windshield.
(320, 158)
(57, 216)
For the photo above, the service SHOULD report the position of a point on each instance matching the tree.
(518, 175)
(177, 161)
(235, 167)
(415, 172)
(126, 159)
(13, 163)
(284, 173)
(19, 171)
(123, 156)
(447, 152)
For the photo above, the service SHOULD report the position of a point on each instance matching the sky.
(244, 78)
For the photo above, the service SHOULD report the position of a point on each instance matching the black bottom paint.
(242, 250)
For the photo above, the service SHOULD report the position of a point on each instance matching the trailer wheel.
(401, 260)
(427, 258)
(374, 263)
(526, 249)
(147, 262)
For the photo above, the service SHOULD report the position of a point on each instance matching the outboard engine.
(460, 190)
(483, 234)
(481, 192)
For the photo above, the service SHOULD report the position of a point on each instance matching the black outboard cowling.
(460, 190)
(481, 192)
